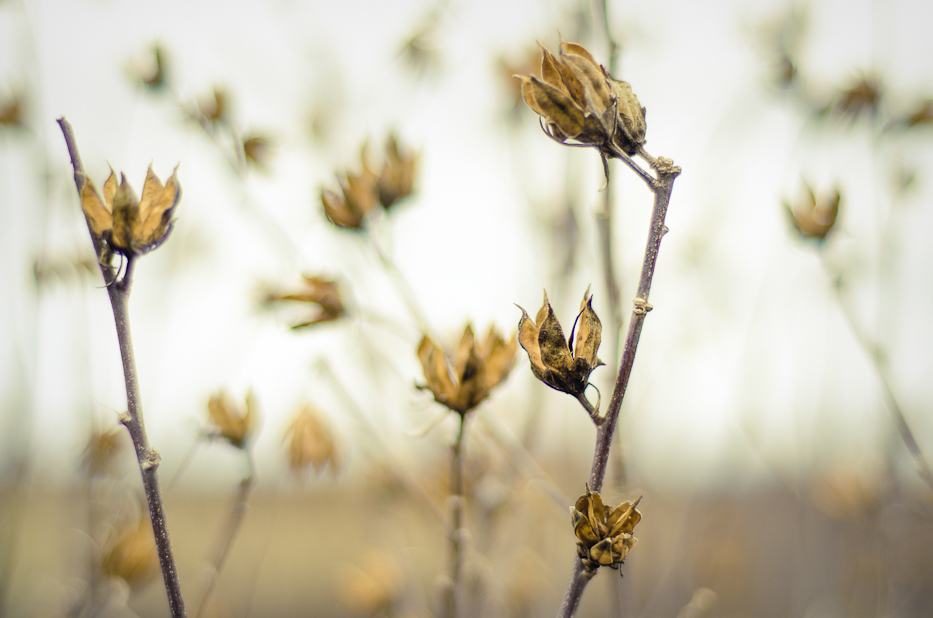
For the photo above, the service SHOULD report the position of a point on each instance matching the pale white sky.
(745, 359)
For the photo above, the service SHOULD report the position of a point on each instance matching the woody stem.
(876, 356)
(664, 184)
(133, 420)
(398, 279)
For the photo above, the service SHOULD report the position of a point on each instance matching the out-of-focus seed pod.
(463, 384)
(133, 556)
(814, 218)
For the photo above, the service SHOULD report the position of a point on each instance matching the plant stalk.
(237, 514)
(662, 187)
(148, 458)
(454, 596)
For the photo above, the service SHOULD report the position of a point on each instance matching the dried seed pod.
(317, 291)
(563, 364)
(397, 176)
(604, 532)
(476, 369)
(132, 226)
(580, 101)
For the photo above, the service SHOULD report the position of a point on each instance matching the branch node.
(124, 418)
(641, 306)
(152, 460)
(666, 167)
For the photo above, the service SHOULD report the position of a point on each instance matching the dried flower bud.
(580, 101)
(397, 176)
(102, 450)
(310, 443)
(563, 364)
(476, 370)
(604, 532)
(132, 556)
(132, 226)
(258, 149)
(233, 423)
(812, 217)
(321, 292)
(215, 108)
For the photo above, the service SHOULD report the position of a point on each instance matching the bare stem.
(237, 514)
(402, 473)
(604, 216)
(133, 420)
(662, 187)
(879, 362)
(453, 598)
(401, 284)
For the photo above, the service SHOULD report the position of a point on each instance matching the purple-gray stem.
(148, 458)
(662, 187)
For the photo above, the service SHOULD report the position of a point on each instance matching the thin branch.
(147, 457)
(873, 350)
(402, 473)
(524, 461)
(401, 284)
(662, 187)
(237, 514)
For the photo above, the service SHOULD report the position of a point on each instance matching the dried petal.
(436, 371)
(589, 333)
(602, 553)
(97, 214)
(565, 80)
(154, 218)
(125, 210)
(558, 108)
(339, 213)
(397, 177)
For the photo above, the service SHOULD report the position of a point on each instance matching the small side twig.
(147, 457)
(237, 514)
(662, 186)
(401, 284)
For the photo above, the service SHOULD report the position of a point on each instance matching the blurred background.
(778, 411)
